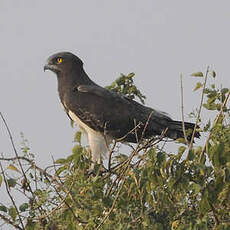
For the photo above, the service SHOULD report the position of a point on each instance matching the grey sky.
(155, 39)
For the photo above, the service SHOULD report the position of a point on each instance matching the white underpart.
(97, 142)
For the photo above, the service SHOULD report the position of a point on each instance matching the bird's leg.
(97, 148)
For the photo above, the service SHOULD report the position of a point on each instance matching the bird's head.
(62, 62)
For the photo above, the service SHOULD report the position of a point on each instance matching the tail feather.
(175, 130)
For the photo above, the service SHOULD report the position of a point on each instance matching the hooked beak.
(46, 67)
(51, 67)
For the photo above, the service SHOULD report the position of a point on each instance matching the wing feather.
(115, 115)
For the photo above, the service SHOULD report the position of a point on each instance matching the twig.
(121, 177)
(31, 162)
(58, 206)
(182, 109)
(126, 163)
(136, 164)
(217, 221)
(112, 207)
(131, 131)
(108, 142)
(15, 151)
(135, 125)
(11, 198)
(199, 111)
(18, 159)
(64, 199)
(10, 222)
(146, 125)
(148, 144)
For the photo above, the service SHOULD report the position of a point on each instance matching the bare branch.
(31, 162)
(182, 109)
(217, 221)
(146, 124)
(199, 111)
(132, 130)
(8, 221)
(15, 151)
(9, 194)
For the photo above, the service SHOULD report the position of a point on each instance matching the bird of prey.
(104, 115)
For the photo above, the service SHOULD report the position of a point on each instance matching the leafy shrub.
(146, 188)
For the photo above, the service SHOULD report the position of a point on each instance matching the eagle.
(103, 115)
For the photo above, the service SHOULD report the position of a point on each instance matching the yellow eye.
(59, 60)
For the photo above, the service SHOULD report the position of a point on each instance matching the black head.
(62, 62)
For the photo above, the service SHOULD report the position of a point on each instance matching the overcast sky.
(157, 40)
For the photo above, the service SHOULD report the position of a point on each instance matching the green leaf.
(11, 182)
(13, 213)
(181, 140)
(77, 137)
(23, 207)
(227, 175)
(204, 204)
(224, 194)
(12, 167)
(0, 180)
(60, 161)
(30, 225)
(175, 224)
(181, 151)
(131, 75)
(198, 86)
(218, 158)
(215, 159)
(3, 208)
(197, 150)
(77, 149)
(213, 74)
(71, 123)
(191, 155)
(210, 106)
(224, 90)
(195, 188)
(60, 170)
(197, 74)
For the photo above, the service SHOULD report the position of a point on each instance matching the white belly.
(98, 144)
(85, 128)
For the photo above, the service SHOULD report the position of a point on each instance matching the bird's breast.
(84, 127)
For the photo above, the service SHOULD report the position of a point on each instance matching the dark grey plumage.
(104, 111)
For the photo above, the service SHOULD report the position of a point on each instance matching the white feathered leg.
(98, 147)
